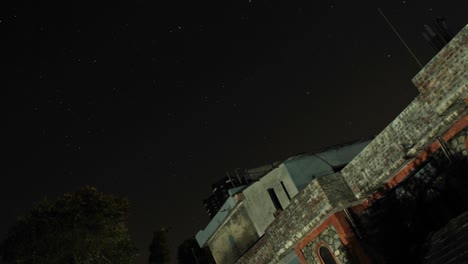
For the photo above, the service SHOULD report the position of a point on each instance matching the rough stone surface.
(458, 144)
(307, 210)
(443, 84)
(330, 238)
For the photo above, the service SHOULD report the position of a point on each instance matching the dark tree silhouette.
(159, 248)
(190, 253)
(80, 227)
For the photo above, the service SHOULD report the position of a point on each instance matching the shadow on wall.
(395, 227)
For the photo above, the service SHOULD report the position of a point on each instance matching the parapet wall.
(443, 84)
(308, 209)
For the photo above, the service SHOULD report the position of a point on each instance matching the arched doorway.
(326, 255)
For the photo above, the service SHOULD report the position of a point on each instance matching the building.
(239, 177)
(219, 195)
(250, 209)
(392, 203)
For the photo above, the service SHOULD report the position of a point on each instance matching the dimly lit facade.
(219, 195)
(233, 179)
(391, 203)
(250, 209)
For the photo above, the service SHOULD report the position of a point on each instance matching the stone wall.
(443, 84)
(444, 87)
(309, 209)
(392, 228)
(330, 238)
(458, 144)
(320, 199)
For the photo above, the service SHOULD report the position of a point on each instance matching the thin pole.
(229, 177)
(445, 150)
(238, 177)
(195, 256)
(401, 39)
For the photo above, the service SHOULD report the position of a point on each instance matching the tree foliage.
(159, 248)
(83, 227)
(189, 252)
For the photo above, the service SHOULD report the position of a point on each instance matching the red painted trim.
(466, 142)
(415, 163)
(345, 232)
(338, 220)
(309, 238)
(456, 128)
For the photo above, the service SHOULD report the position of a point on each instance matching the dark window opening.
(326, 255)
(339, 167)
(275, 199)
(285, 191)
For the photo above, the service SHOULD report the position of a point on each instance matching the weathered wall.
(393, 227)
(258, 203)
(233, 238)
(290, 258)
(305, 168)
(331, 239)
(307, 210)
(203, 235)
(459, 144)
(443, 84)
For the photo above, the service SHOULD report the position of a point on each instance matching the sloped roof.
(306, 167)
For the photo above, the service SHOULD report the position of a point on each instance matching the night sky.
(155, 100)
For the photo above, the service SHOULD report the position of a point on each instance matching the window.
(285, 191)
(274, 199)
(326, 255)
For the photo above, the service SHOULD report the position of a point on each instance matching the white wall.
(258, 202)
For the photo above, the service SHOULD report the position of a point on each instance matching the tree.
(159, 248)
(189, 252)
(83, 227)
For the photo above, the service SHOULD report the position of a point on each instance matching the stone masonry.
(307, 210)
(443, 86)
(330, 238)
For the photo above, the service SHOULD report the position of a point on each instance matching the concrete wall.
(258, 203)
(303, 169)
(307, 210)
(203, 235)
(444, 88)
(234, 237)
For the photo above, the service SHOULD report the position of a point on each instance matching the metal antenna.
(401, 39)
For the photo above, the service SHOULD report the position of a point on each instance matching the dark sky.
(155, 100)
